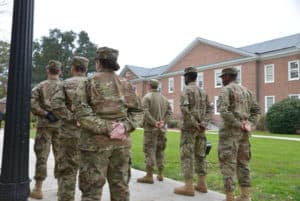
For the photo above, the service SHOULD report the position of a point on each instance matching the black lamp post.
(14, 179)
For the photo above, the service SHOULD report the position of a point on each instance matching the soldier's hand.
(162, 124)
(118, 132)
(157, 124)
(246, 126)
(78, 124)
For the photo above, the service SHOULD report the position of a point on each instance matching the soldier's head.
(153, 83)
(106, 58)
(53, 68)
(228, 75)
(190, 75)
(79, 65)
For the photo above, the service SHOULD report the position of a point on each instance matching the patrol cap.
(54, 66)
(153, 83)
(229, 71)
(190, 70)
(107, 53)
(80, 61)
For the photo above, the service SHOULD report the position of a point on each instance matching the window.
(171, 85)
(171, 104)
(296, 96)
(269, 73)
(218, 80)
(269, 101)
(239, 75)
(159, 88)
(182, 83)
(200, 80)
(294, 70)
(216, 105)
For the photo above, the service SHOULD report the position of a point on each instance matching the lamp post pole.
(14, 178)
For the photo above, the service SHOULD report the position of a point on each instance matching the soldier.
(157, 111)
(62, 106)
(195, 110)
(47, 127)
(237, 108)
(105, 143)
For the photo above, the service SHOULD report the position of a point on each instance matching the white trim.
(171, 101)
(239, 68)
(182, 83)
(171, 80)
(293, 95)
(289, 70)
(217, 71)
(202, 75)
(266, 106)
(159, 88)
(216, 105)
(273, 75)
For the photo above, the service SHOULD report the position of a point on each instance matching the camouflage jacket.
(100, 101)
(156, 108)
(194, 106)
(62, 102)
(41, 102)
(236, 103)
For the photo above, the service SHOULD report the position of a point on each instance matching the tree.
(4, 60)
(61, 46)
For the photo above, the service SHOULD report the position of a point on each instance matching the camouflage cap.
(190, 70)
(107, 53)
(229, 71)
(78, 61)
(153, 83)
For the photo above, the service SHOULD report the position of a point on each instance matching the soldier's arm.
(147, 116)
(208, 111)
(168, 112)
(224, 109)
(86, 116)
(254, 109)
(184, 107)
(58, 104)
(36, 108)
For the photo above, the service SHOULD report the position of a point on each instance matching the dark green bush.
(284, 117)
(261, 123)
(173, 123)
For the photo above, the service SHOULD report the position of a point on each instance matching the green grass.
(275, 166)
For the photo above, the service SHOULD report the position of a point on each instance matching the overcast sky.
(151, 33)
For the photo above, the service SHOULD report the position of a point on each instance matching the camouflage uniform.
(235, 104)
(47, 132)
(69, 155)
(156, 108)
(100, 101)
(195, 109)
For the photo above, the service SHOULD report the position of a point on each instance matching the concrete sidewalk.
(160, 191)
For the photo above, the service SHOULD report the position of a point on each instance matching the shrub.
(284, 116)
(173, 123)
(261, 123)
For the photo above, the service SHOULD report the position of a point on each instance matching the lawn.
(275, 166)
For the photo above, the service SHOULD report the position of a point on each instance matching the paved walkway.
(160, 191)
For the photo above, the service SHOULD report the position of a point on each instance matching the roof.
(274, 45)
(145, 72)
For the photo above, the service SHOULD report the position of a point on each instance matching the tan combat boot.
(160, 176)
(229, 196)
(148, 179)
(187, 189)
(245, 194)
(37, 193)
(201, 185)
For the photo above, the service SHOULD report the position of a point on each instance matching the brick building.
(270, 69)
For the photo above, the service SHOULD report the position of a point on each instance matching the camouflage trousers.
(192, 153)
(42, 143)
(154, 148)
(68, 165)
(97, 166)
(234, 157)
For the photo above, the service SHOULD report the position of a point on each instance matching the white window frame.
(159, 88)
(289, 70)
(239, 69)
(218, 71)
(266, 106)
(171, 89)
(294, 95)
(273, 75)
(182, 83)
(216, 105)
(171, 101)
(202, 75)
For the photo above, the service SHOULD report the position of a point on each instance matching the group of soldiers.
(88, 121)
